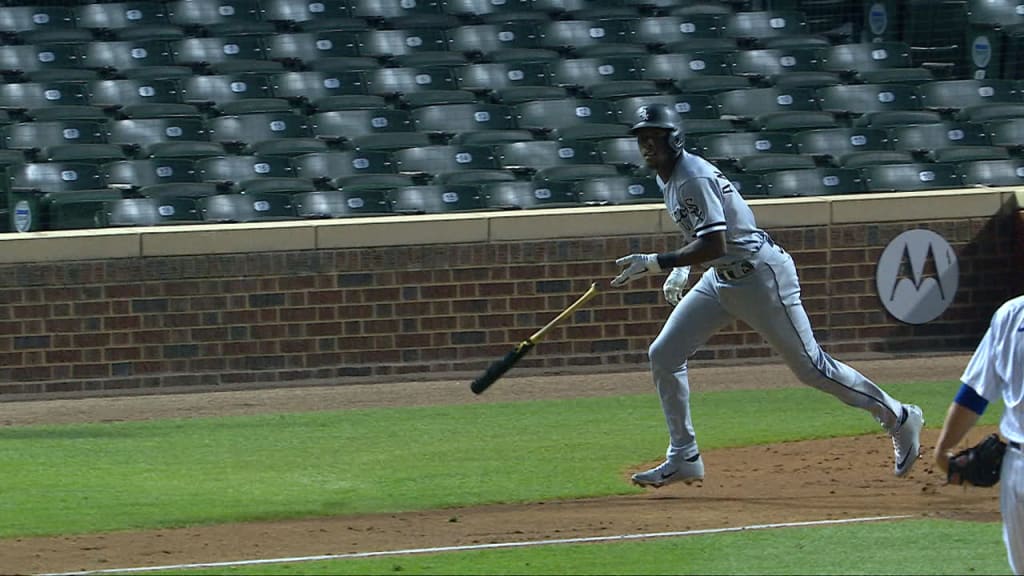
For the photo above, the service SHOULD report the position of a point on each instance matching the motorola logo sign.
(917, 276)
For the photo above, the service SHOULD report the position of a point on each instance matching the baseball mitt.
(978, 465)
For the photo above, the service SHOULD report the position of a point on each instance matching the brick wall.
(423, 311)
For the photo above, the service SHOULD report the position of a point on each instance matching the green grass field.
(172, 473)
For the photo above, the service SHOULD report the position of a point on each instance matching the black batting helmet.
(661, 116)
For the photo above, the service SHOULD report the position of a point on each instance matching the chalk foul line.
(471, 547)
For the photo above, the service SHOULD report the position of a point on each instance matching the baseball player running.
(996, 371)
(749, 277)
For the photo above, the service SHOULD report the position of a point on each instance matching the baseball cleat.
(668, 472)
(906, 440)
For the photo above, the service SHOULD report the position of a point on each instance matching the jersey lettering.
(724, 183)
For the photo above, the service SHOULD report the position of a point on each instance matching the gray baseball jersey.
(755, 281)
(701, 200)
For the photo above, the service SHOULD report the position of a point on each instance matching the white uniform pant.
(1011, 500)
(768, 300)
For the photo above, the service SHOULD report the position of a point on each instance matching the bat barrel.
(497, 369)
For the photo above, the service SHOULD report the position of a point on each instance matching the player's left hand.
(636, 266)
(675, 284)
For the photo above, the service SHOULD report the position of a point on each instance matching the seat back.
(1008, 133)
(553, 114)
(341, 163)
(221, 88)
(590, 72)
(865, 56)
(688, 106)
(754, 102)
(216, 49)
(681, 65)
(303, 12)
(621, 152)
(993, 172)
(866, 98)
(499, 75)
(148, 212)
(740, 144)
(526, 194)
(812, 182)
(246, 207)
(143, 132)
(314, 85)
(123, 55)
(238, 169)
(909, 177)
(486, 39)
(148, 172)
(349, 124)
(406, 79)
(455, 118)
(959, 94)
(837, 142)
(307, 47)
(619, 190)
(757, 25)
(39, 135)
(126, 92)
(15, 19)
(206, 13)
(570, 35)
(772, 61)
(29, 95)
(56, 176)
(120, 15)
(402, 42)
(434, 199)
(659, 31)
(341, 203)
(440, 159)
(251, 129)
(539, 154)
(936, 136)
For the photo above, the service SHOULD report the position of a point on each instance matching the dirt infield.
(816, 480)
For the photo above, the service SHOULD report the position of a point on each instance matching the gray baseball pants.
(768, 300)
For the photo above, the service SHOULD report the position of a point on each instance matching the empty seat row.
(524, 84)
(902, 177)
(108, 207)
(285, 91)
(856, 147)
(87, 208)
(220, 13)
(336, 48)
(228, 16)
(774, 112)
(449, 163)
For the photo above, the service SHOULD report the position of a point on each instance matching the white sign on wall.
(917, 276)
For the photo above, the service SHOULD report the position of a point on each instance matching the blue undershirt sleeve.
(971, 400)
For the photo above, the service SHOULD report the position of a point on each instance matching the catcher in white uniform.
(748, 277)
(996, 371)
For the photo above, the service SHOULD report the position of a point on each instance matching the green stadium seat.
(246, 208)
(526, 194)
(812, 182)
(619, 190)
(148, 212)
(435, 199)
(341, 203)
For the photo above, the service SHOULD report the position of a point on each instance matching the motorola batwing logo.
(917, 276)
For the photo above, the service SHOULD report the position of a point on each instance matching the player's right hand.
(636, 266)
(675, 284)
